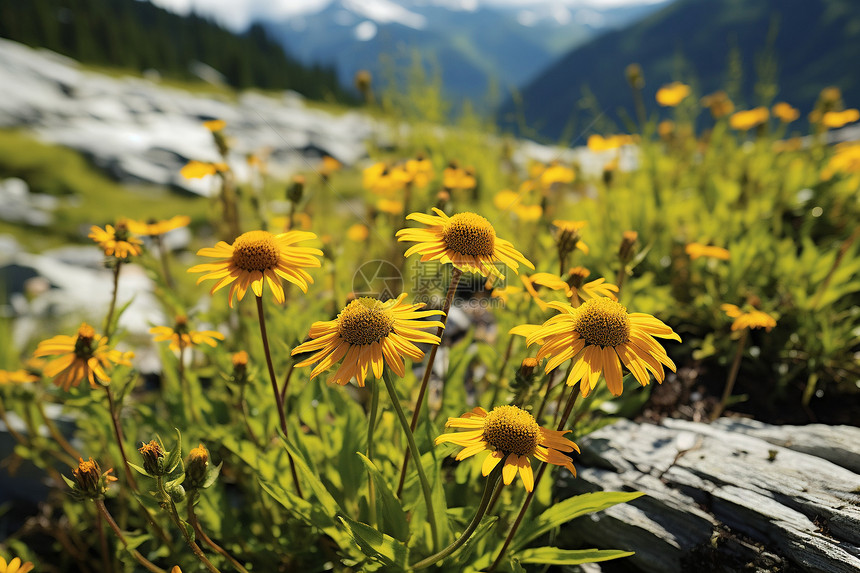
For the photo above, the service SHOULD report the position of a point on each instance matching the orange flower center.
(364, 321)
(470, 234)
(512, 430)
(602, 322)
(255, 251)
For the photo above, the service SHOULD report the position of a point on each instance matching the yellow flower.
(85, 355)
(369, 333)
(785, 113)
(197, 169)
(390, 206)
(15, 566)
(90, 480)
(181, 337)
(258, 256)
(511, 434)
(17, 377)
(357, 233)
(594, 289)
(152, 227)
(837, 119)
(751, 319)
(505, 199)
(719, 104)
(382, 180)
(672, 94)
(698, 250)
(419, 171)
(176, 569)
(595, 336)
(746, 120)
(551, 281)
(846, 160)
(598, 143)
(453, 177)
(116, 241)
(567, 235)
(466, 240)
(330, 165)
(214, 125)
(528, 213)
(556, 173)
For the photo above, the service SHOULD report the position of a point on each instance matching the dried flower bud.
(296, 189)
(635, 77)
(527, 368)
(152, 454)
(197, 466)
(628, 242)
(90, 481)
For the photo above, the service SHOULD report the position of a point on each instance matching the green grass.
(87, 196)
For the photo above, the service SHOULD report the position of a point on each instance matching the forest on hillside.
(139, 36)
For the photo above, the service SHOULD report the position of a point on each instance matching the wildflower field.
(388, 366)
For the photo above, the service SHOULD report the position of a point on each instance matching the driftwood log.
(735, 495)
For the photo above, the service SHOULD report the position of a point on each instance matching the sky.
(238, 14)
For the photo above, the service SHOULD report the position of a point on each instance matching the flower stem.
(416, 456)
(117, 429)
(571, 401)
(147, 564)
(446, 306)
(192, 519)
(733, 375)
(278, 402)
(170, 507)
(489, 487)
(165, 268)
(112, 307)
(55, 433)
(371, 425)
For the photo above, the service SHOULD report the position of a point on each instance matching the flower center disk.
(512, 430)
(470, 234)
(602, 322)
(255, 251)
(364, 321)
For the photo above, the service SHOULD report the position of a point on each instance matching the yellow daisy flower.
(785, 113)
(256, 256)
(511, 434)
(369, 333)
(358, 233)
(466, 240)
(454, 177)
(599, 336)
(837, 119)
(748, 319)
(719, 103)
(672, 94)
(198, 169)
(180, 336)
(154, 227)
(588, 290)
(567, 235)
(214, 125)
(698, 250)
(748, 119)
(556, 173)
(116, 241)
(17, 377)
(86, 355)
(15, 566)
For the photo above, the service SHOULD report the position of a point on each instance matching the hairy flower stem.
(733, 375)
(195, 523)
(416, 456)
(571, 401)
(170, 507)
(279, 404)
(371, 425)
(55, 432)
(446, 306)
(490, 486)
(147, 564)
(117, 429)
(112, 307)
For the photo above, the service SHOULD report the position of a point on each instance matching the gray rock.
(721, 499)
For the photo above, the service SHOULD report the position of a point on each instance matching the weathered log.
(724, 496)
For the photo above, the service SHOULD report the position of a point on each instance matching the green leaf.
(556, 556)
(376, 544)
(69, 482)
(212, 475)
(309, 478)
(140, 470)
(175, 455)
(568, 509)
(387, 505)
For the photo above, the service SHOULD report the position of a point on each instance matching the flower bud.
(90, 481)
(176, 492)
(152, 454)
(628, 242)
(635, 77)
(296, 189)
(197, 466)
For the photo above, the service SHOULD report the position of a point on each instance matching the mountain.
(140, 36)
(814, 43)
(472, 43)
